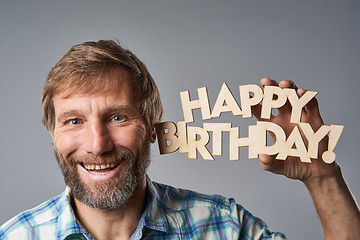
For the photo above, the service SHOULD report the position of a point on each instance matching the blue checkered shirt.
(170, 213)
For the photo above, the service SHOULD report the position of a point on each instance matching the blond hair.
(81, 69)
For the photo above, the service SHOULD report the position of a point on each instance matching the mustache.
(115, 156)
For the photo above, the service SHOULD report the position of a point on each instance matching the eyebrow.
(130, 110)
(66, 114)
(123, 108)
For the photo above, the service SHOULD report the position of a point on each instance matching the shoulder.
(213, 216)
(180, 199)
(23, 224)
(193, 214)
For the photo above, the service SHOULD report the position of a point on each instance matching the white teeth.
(91, 167)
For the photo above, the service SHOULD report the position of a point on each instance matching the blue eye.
(75, 121)
(117, 118)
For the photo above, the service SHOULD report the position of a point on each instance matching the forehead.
(114, 88)
(95, 84)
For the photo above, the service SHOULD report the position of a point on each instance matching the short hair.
(83, 69)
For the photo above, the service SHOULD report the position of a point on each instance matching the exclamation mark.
(334, 135)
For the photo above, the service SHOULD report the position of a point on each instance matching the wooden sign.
(193, 139)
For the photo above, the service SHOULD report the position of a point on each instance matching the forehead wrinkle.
(99, 104)
(65, 107)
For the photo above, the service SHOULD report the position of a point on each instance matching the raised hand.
(292, 167)
(337, 209)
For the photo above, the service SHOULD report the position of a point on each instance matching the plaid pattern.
(170, 213)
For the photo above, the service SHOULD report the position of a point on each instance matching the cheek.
(131, 138)
(65, 144)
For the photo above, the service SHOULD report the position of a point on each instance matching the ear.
(153, 135)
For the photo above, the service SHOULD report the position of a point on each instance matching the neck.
(119, 223)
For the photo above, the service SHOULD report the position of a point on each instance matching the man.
(101, 107)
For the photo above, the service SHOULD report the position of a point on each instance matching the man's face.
(101, 145)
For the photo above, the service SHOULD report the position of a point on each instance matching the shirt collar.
(154, 209)
(155, 217)
(67, 223)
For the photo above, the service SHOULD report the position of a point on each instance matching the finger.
(269, 163)
(312, 107)
(268, 82)
(311, 110)
(313, 114)
(288, 84)
(300, 92)
(256, 111)
(287, 108)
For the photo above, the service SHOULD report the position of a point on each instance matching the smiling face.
(101, 143)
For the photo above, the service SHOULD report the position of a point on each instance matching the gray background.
(186, 45)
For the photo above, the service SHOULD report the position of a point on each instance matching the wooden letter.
(288, 150)
(225, 96)
(335, 132)
(182, 134)
(202, 103)
(298, 103)
(200, 144)
(167, 140)
(251, 141)
(269, 102)
(276, 131)
(247, 101)
(314, 138)
(217, 129)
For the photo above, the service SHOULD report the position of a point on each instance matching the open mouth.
(100, 169)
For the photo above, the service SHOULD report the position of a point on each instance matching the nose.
(97, 139)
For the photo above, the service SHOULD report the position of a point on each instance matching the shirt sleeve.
(251, 227)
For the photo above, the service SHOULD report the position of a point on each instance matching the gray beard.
(114, 193)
